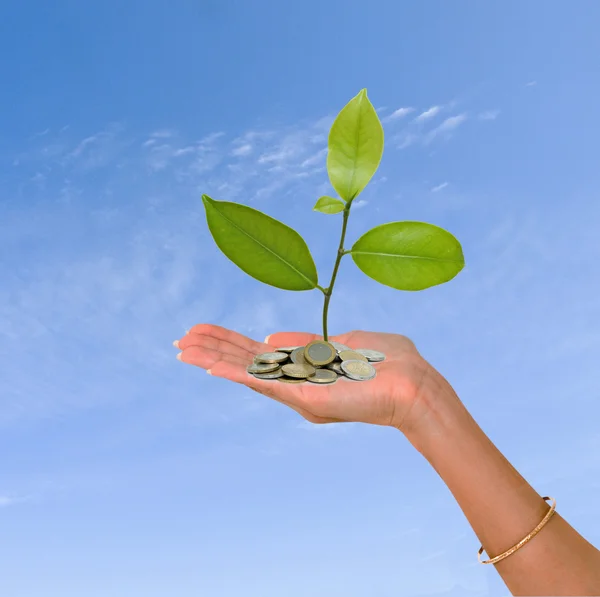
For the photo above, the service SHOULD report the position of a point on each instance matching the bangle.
(524, 540)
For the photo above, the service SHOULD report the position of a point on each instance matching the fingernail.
(267, 339)
(176, 343)
(208, 371)
(178, 355)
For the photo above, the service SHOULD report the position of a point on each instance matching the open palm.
(391, 398)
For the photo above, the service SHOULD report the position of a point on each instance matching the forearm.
(501, 507)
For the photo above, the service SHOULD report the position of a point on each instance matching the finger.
(281, 339)
(221, 333)
(208, 342)
(207, 358)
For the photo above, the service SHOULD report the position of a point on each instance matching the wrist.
(436, 413)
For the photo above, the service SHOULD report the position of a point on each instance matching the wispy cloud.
(10, 500)
(418, 131)
(163, 134)
(242, 150)
(98, 150)
(488, 115)
(531, 84)
(41, 133)
(405, 140)
(439, 187)
(446, 128)
(428, 114)
(87, 142)
(317, 159)
(165, 149)
(398, 114)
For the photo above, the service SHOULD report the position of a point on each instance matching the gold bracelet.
(523, 541)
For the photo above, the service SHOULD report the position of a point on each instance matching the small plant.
(403, 255)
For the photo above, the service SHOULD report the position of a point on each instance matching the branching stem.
(341, 252)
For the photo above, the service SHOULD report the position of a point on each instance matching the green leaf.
(261, 246)
(329, 205)
(408, 255)
(355, 147)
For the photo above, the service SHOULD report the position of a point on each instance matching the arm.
(410, 395)
(501, 507)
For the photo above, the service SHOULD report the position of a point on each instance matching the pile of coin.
(317, 362)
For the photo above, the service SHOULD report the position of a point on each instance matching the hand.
(393, 398)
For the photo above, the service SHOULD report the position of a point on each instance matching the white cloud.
(166, 150)
(317, 158)
(447, 127)
(242, 150)
(85, 143)
(489, 115)
(184, 151)
(428, 114)
(398, 114)
(42, 133)
(96, 151)
(452, 123)
(7, 500)
(405, 140)
(531, 84)
(358, 204)
(38, 178)
(159, 157)
(280, 154)
(439, 187)
(163, 134)
(211, 138)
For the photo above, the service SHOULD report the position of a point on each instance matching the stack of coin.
(318, 362)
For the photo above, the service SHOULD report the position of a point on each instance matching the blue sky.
(125, 472)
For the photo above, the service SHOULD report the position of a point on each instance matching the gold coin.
(271, 357)
(338, 346)
(359, 370)
(337, 367)
(291, 379)
(297, 356)
(288, 348)
(372, 355)
(350, 355)
(319, 353)
(269, 375)
(323, 376)
(296, 370)
(262, 368)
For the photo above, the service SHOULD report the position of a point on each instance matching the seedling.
(403, 255)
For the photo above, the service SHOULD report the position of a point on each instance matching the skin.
(409, 395)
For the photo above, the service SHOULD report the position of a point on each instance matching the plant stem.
(340, 254)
